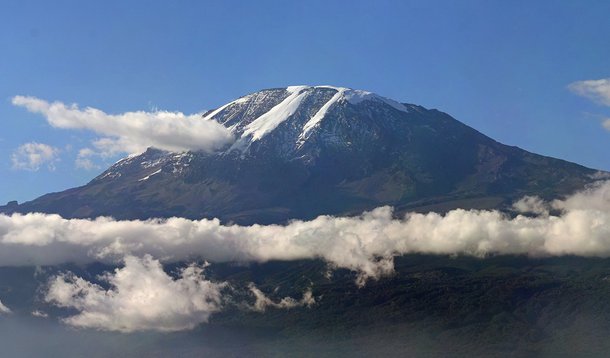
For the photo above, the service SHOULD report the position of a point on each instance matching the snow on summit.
(317, 118)
(270, 120)
(254, 116)
(300, 111)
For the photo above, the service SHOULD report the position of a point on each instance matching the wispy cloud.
(84, 161)
(130, 132)
(263, 302)
(596, 90)
(4, 309)
(39, 314)
(32, 156)
(531, 205)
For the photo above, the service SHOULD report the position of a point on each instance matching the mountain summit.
(299, 113)
(303, 151)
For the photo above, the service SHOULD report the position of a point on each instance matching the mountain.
(303, 151)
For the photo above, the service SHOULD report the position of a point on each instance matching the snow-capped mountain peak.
(304, 151)
(276, 115)
(299, 110)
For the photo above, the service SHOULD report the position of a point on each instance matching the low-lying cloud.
(130, 132)
(365, 243)
(4, 309)
(141, 297)
(263, 302)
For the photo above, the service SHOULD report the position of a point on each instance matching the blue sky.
(502, 67)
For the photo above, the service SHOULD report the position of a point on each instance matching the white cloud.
(263, 302)
(4, 309)
(595, 197)
(40, 314)
(83, 159)
(33, 155)
(365, 244)
(596, 90)
(531, 205)
(141, 297)
(132, 132)
(85, 163)
(600, 175)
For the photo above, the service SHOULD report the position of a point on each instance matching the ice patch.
(149, 175)
(111, 175)
(220, 109)
(126, 160)
(358, 96)
(276, 115)
(317, 118)
(153, 163)
(281, 112)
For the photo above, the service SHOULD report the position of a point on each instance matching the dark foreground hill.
(435, 306)
(304, 151)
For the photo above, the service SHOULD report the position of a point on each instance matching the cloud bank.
(131, 132)
(141, 297)
(31, 156)
(365, 244)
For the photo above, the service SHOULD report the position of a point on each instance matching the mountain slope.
(304, 151)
